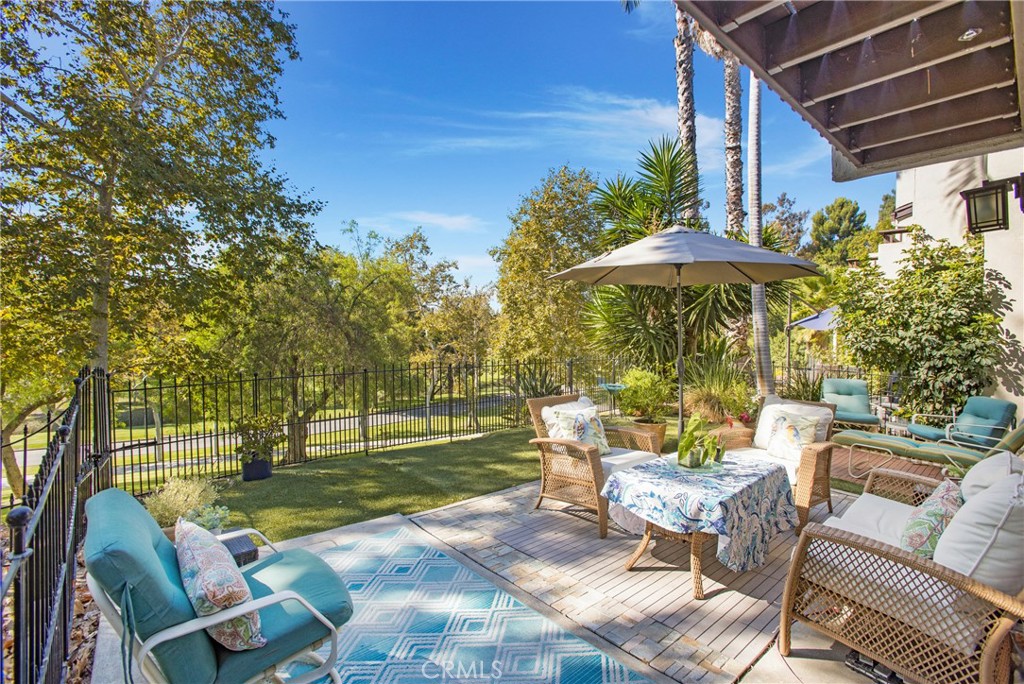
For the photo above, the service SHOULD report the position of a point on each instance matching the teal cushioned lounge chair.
(132, 572)
(939, 453)
(981, 424)
(853, 405)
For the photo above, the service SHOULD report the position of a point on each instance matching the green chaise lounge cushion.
(909, 448)
(287, 627)
(851, 399)
(124, 545)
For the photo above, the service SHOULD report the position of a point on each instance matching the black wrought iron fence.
(185, 427)
(46, 529)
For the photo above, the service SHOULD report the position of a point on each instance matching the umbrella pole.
(679, 343)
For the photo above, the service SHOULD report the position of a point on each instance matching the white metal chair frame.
(142, 651)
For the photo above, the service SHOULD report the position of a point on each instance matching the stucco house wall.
(934, 192)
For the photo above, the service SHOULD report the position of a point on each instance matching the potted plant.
(644, 397)
(258, 434)
(698, 447)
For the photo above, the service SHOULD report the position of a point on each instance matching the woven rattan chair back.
(537, 405)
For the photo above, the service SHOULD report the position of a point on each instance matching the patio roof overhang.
(891, 85)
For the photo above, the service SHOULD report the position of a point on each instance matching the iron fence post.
(568, 374)
(17, 521)
(451, 411)
(364, 412)
(519, 392)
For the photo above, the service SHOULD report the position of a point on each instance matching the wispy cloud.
(402, 221)
(606, 125)
(800, 161)
(652, 21)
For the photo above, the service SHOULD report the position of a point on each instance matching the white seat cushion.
(876, 517)
(620, 459)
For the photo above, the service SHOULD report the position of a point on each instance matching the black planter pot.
(256, 469)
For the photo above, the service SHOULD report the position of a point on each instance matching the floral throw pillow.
(926, 524)
(584, 425)
(213, 582)
(789, 433)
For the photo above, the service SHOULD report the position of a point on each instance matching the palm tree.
(733, 130)
(759, 307)
(687, 109)
(639, 321)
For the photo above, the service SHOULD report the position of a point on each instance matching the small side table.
(613, 389)
(242, 549)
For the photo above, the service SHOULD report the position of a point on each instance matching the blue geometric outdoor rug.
(421, 616)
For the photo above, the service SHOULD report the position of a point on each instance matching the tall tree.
(687, 109)
(553, 228)
(831, 231)
(759, 305)
(790, 223)
(734, 213)
(139, 144)
(885, 211)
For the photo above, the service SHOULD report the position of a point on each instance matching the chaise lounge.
(133, 574)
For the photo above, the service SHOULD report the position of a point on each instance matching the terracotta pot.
(656, 429)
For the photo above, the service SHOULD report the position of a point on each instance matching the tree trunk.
(297, 425)
(99, 322)
(733, 149)
(12, 471)
(759, 306)
(684, 90)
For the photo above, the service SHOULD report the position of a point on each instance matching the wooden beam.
(960, 137)
(947, 116)
(973, 73)
(736, 13)
(925, 43)
(1017, 25)
(829, 26)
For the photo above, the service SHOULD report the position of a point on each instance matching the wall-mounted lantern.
(987, 206)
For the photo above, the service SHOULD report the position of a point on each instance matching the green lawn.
(321, 495)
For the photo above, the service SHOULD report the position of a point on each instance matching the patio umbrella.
(679, 256)
(822, 320)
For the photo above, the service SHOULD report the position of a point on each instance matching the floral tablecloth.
(746, 503)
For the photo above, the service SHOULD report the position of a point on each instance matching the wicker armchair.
(571, 471)
(922, 620)
(813, 485)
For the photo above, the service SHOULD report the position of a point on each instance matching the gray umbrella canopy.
(679, 256)
(705, 259)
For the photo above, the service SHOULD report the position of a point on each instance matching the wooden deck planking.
(554, 553)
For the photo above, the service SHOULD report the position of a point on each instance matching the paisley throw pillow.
(584, 425)
(213, 582)
(926, 524)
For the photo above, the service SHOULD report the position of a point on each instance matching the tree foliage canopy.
(831, 231)
(554, 228)
(936, 323)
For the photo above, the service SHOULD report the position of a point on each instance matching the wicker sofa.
(574, 472)
(924, 620)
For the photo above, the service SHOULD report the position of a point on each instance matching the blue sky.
(445, 114)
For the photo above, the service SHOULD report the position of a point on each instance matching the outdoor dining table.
(744, 502)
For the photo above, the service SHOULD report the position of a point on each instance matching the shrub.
(177, 497)
(717, 384)
(645, 395)
(257, 436)
(804, 385)
(208, 516)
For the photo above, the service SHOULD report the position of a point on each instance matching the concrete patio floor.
(552, 560)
